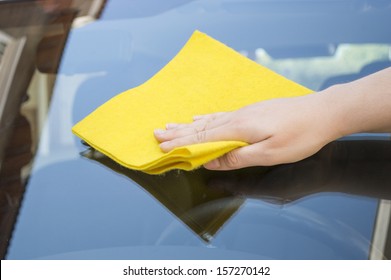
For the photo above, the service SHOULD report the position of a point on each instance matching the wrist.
(360, 106)
(338, 111)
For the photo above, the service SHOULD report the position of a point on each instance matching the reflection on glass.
(186, 195)
(352, 167)
(320, 66)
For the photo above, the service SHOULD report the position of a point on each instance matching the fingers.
(205, 128)
(195, 137)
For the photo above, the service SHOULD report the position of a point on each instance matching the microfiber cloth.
(206, 76)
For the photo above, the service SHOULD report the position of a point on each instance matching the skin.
(289, 129)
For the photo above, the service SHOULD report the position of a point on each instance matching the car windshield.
(60, 199)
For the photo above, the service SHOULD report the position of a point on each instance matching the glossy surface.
(80, 205)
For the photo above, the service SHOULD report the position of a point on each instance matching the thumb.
(235, 159)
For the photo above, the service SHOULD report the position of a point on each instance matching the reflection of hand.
(278, 131)
(352, 167)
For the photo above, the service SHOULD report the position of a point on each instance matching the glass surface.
(79, 204)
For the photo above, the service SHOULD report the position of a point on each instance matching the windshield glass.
(79, 204)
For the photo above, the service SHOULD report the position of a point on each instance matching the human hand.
(277, 131)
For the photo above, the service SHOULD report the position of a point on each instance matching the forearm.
(363, 105)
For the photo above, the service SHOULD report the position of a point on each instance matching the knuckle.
(202, 126)
(231, 160)
(200, 132)
(200, 136)
(214, 117)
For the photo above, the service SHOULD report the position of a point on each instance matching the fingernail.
(171, 125)
(159, 131)
(214, 164)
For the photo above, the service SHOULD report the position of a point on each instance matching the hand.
(277, 131)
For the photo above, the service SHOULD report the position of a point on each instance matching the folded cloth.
(204, 77)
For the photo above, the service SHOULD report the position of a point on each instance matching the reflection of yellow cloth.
(204, 77)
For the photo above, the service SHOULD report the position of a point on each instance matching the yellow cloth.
(204, 77)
